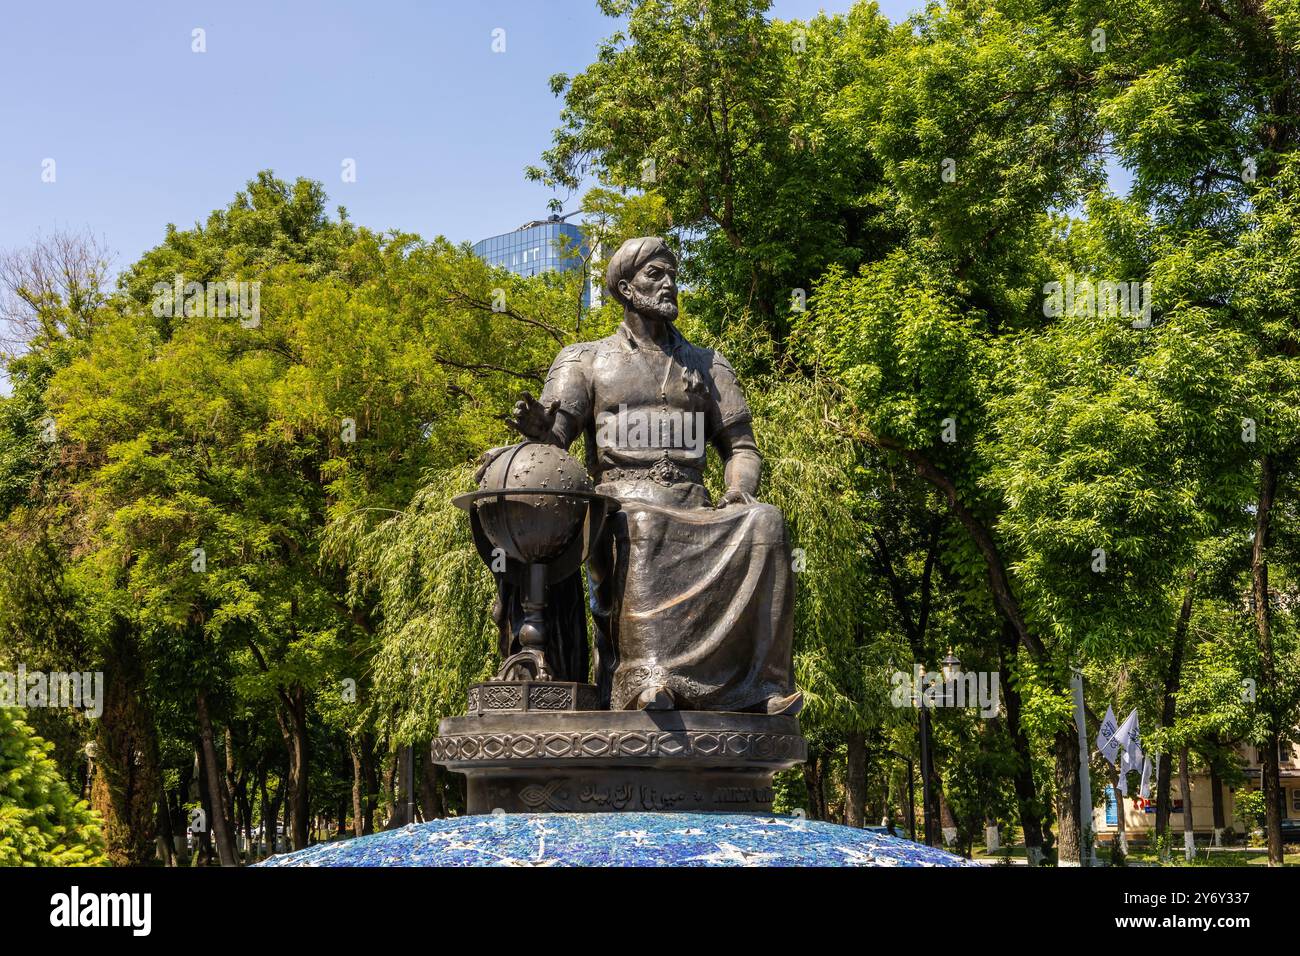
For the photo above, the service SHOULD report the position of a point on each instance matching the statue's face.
(653, 290)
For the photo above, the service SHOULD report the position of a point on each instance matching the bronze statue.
(693, 601)
(692, 703)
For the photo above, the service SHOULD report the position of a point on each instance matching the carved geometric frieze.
(494, 697)
(748, 747)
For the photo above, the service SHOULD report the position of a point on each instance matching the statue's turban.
(629, 259)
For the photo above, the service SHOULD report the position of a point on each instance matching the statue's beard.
(664, 308)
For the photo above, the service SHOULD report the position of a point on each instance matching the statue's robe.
(689, 597)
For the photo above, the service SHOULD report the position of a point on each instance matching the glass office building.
(542, 246)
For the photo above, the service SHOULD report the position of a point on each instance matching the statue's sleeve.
(733, 434)
(729, 399)
(569, 383)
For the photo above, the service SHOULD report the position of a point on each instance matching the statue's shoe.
(785, 706)
(656, 698)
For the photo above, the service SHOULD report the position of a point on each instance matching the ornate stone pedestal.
(585, 761)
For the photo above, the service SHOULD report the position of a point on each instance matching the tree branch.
(999, 582)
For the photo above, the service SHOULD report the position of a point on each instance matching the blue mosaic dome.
(622, 839)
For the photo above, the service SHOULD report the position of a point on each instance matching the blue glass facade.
(537, 247)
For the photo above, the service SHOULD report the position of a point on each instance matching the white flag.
(1130, 758)
(1127, 743)
(1134, 746)
(1106, 736)
(1145, 790)
(1126, 731)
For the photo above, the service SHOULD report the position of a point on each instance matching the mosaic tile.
(623, 839)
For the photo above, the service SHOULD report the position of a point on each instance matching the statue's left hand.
(736, 497)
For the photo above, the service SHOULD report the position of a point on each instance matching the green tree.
(41, 822)
(731, 119)
(1203, 110)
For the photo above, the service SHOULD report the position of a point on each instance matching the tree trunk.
(823, 785)
(1216, 799)
(911, 802)
(401, 789)
(125, 783)
(245, 805)
(180, 797)
(292, 718)
(166, 843)
(1121, 825)
(1173, 679)
(256, 792)
(1269, 768)
(370, 769)
(1027, 805)
(228, 777)
(202, 838)
(406, 778)
(299, 798)
(87, 778)
(176, 815)
(1271, 778)
(230, 781)
(277, 801)
(431, 787)
(887, 786)
(992, 841)
(812, 782)
(1068, 851)
(341, 819)
(390, 791)
(1185, 784)
(947, 822)
(268, 816)
(358, 791)
(855, 796)
(217, 819)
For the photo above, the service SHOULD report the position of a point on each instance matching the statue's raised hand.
(532, 419)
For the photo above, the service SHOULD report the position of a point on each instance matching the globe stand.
(533, 576)
(532, 636)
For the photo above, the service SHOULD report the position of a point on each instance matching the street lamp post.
(1087, 850)
(927, 803)
(950, 667)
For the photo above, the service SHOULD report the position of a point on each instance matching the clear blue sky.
(145, 132)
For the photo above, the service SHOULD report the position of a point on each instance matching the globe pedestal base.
(619, 761)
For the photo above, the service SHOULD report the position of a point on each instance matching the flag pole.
(1087, 852)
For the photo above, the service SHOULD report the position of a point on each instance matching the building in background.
(1139, 814)
(544, 245)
